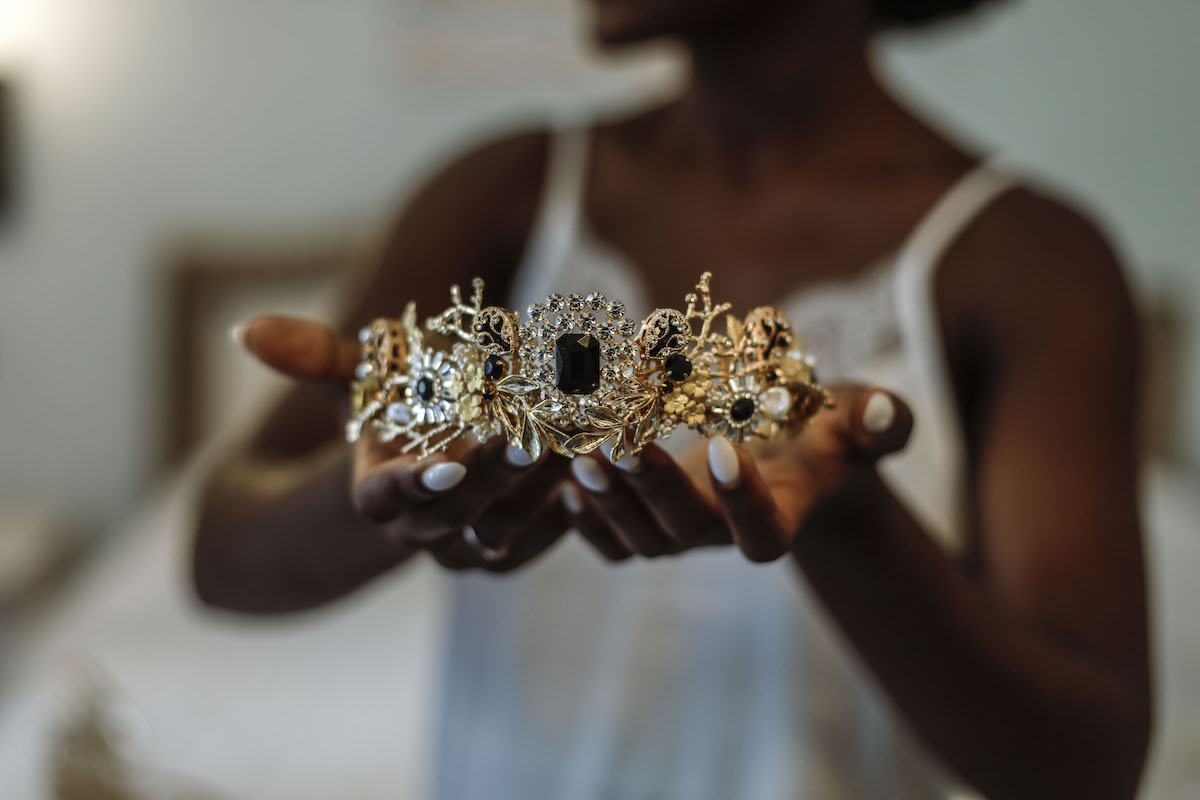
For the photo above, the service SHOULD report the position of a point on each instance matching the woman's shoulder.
(1032, 262)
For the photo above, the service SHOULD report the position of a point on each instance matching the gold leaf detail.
(603, 418)
(587, 441)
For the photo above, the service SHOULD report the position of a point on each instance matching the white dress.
(701, 676)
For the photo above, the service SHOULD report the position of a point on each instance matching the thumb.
(870, 421)
(299, 349)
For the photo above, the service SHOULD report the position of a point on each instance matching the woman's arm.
(1031, 680)
(278, 530)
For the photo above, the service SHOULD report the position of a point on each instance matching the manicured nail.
(237, 334)
(879, 413)
(571, 498)
(723, 461)
(517, 457)
(443, 477)
(628, 462)
(590, 474)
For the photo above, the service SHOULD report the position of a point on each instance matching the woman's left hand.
(652, 505)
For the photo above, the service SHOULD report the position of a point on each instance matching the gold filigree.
(577, 375)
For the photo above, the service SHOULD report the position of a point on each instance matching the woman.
(981, 590)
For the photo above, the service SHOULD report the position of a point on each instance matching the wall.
(145, 119)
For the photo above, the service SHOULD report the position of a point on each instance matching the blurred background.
(168, 167)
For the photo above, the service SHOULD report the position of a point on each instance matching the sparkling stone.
(608, 373)
(425, 389)
(587, 323)
(537, 312)
(742, 409)
(528, 332)
(577, 363)
(575, 302)
(627, 327)
(398, 412)
(565, 324)
(777, 402)
(610, 352)
(556, 302)
(595, 301)
(616, 310)
(678, 367)
(493, 368)
(605, 331)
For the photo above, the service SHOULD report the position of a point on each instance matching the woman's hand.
(482, 506)
(654, 506)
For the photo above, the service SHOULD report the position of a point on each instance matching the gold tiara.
(578, 374)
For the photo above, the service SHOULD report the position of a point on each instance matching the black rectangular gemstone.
(577, 363)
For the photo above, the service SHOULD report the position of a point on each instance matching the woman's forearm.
(1011, 709)
(274, 539)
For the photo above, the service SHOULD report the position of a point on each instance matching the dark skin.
(1024, 667)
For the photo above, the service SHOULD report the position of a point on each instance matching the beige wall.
(146, 119)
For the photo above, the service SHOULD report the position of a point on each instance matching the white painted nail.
(589, 473)
(879, 413)
(443, 477)
(517, 457)
(723, 461)
(627, 462)
(571, 498)
(237, 334)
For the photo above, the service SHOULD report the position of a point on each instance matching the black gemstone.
(678, 368)
(577, 363)
(493, 368)
(742, 409)
(425, 389)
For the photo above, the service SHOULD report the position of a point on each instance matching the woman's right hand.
(475, 506)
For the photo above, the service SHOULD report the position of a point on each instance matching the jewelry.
(485, 552)
(577, 373)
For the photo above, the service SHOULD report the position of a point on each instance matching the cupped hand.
(475, 506)
(757, 497)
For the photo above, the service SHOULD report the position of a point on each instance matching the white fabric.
(703, 676)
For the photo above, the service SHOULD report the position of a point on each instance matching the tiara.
(577, 374)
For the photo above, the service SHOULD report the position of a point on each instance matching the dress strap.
(558, 217)
(916, 305)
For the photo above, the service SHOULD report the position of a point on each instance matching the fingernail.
(571, 498)
(879, 413)
(237, 334)
(590, 474)
(627, 462)
(443, 477)
(517, 457)
(723, 461)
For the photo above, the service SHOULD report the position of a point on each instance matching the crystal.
(577, 363)
(627, 327)
(493, 368)
(616, 310)
(595, 301)
(398, 412)
(555, 303)
(678, 367)
(742, 409)
(587, 323)
(575, 302)
(425, 389)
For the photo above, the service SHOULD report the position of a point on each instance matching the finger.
(681, 510)
(618, 505)
(587, 521)
(509, 511)
(456, 551)
(388, 491)
(870, 421)
(492, 471)
(746, 503)
(299, 349)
